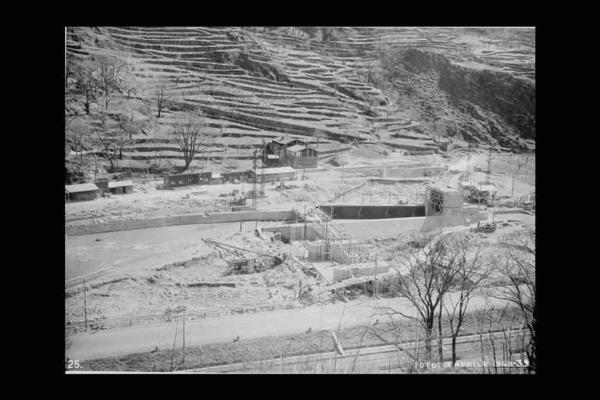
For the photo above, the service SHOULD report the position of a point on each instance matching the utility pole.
(173, 348)
(183, 361)
(85, 304)
(254, 183)
(489, 165)
(375, 281)
(469, 163)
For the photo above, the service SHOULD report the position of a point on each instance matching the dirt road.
(144, 338)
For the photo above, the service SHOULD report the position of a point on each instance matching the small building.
(82, 191)
(294, 142)
(272, 160)
(488, 190)
(182, 179)
(300, 156)
(273, 174)
(275, 152)
(481, 194)
(120, 187)
(440, 198)
(245, 265)
(215, 178)
(240, 175)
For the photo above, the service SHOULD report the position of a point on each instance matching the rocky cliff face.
(510, 97)
(475, 103)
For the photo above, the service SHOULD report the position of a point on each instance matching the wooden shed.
(300, 156)
(82, 191)
(274, 174)
(120, 187)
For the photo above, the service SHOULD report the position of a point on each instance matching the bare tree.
(114, 139)
(189, 136)
(319, 134)
(161, 95)
(518, 270)
(426, 269)
(78, 134)
(86, 84)
(470, 273)
(110, 72)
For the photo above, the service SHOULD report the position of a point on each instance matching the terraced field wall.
(256, 83)
(182, 220)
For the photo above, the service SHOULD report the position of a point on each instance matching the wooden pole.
(173, 348)
(85, 304)
(375, 281)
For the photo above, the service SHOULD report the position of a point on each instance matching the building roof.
(119, 184)
(296, 147)
(276, 170)
(488, 188)
(442, 188)
(286, 140)
(185, 174)
(236, 171)
(82, 187)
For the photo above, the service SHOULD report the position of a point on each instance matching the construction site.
(315, 236)
(252, 183)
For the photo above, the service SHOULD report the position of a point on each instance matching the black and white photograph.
(299, 200)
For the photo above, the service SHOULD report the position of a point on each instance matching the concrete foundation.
(343, 273)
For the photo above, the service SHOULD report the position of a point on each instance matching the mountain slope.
(255, 83)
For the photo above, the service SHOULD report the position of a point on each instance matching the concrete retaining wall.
(182, 220)
(411, 171)
(294, 231)
(343, 273)
(392, 227)
(400, 172)
(317, 252)
(372, 212)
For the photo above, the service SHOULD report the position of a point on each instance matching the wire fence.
(124, 322)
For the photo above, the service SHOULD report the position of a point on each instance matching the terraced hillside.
(259, 83)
